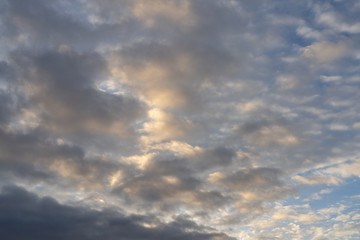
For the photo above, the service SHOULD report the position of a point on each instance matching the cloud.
(48, 25)
(252, 188)
(264, 132)
(168, 183)
(326, 51)
(164, 126)
(345, 170)
(287, 82)
(157, 12)
(214, 157)
(27, 216)
(145, 119)
(170, 75)
(61, 88)
(254, 179)
(9, 95)
(334, 21)
(34, 157)
(315, 180)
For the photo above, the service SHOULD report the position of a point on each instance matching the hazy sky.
(179, 119)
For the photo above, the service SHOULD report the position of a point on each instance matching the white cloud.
(338, 127)
(333, 20)
(345, 170)
(308, 32)
(315, 180)
(326, 51)
(331, 78)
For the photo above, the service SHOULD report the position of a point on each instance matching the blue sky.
(180, 119)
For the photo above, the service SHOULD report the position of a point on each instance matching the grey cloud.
(40, 21)
(251, 127)
(34, 156)
(275, 132)
(212, 158)
(167, 183)
(152, 185)
(264, 183)
(61, 85)
(233, 108)
(43, 24)
(9, 98)
(187, 60)
(254, 188)
(256, 179)
(6, 106)
(26, 216)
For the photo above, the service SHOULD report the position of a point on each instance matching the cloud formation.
(166, 119)
(26, 216)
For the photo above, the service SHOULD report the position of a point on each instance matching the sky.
(180, 119)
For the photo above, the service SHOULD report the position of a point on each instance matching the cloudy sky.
(179, 119)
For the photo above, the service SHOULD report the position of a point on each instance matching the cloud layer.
(166, 119)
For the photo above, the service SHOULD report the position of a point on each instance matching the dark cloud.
(152, 185)
(26, 216)
(6, 106)
(169, 183)
(172, 182)
(62, 87)
(256, 179)
(34, 156)
(213, 157)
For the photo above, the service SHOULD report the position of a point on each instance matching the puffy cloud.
(46, 24)
(35, 158)
(254, 179)
(326, 51)
(333, 20)
(164, 126)
(177, 112)
(61, 86)
(168, 183)
(264, 132)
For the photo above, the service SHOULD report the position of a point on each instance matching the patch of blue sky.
(343, 193)
(113, 87)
